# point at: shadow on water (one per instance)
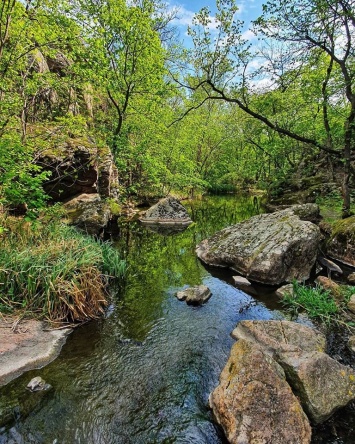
(143, 375)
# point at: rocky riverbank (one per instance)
(27, 345)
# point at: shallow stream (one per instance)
(144, 373)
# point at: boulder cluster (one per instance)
(278, 380)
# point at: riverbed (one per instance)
(144, 373)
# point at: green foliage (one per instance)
(330, 206)
(315, 301)
(55, 271)
(114, 206)
(79, 69)
(20, 179)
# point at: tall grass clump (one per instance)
(315, 301)
(55, 271)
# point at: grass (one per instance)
(54, 271)
(315, 301)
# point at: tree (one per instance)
(309, 31)
(127, 58)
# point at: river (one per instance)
(144, 373)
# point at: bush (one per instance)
(55, 271)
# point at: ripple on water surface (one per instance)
(144, 374)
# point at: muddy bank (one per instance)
(27, 345)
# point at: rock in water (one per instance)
(167, 211)
(269, 248)
(38, 384)
(253, 402)
(194, 295)
(241, 282)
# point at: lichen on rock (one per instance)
(167, 211)
(254, 403)
(269, 248)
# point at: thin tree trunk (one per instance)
(349, 131)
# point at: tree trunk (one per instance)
(349, 131)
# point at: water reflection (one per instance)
(143, 375)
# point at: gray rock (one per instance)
(88, 212)
(351, 278)
(269, 248)
(278, 337)
(308, 212)
(197, 295)
(322, 384)
(240, 281)
(167, 211)
(37, 384)
(253, 402)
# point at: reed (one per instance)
(55, 271)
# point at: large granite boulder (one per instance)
(341, 245)
(269, 248)
(253, 402)
(322, 384)
(167, 211)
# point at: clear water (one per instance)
(143, 375)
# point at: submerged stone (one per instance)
(37, 384)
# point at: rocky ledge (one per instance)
(26, 346)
